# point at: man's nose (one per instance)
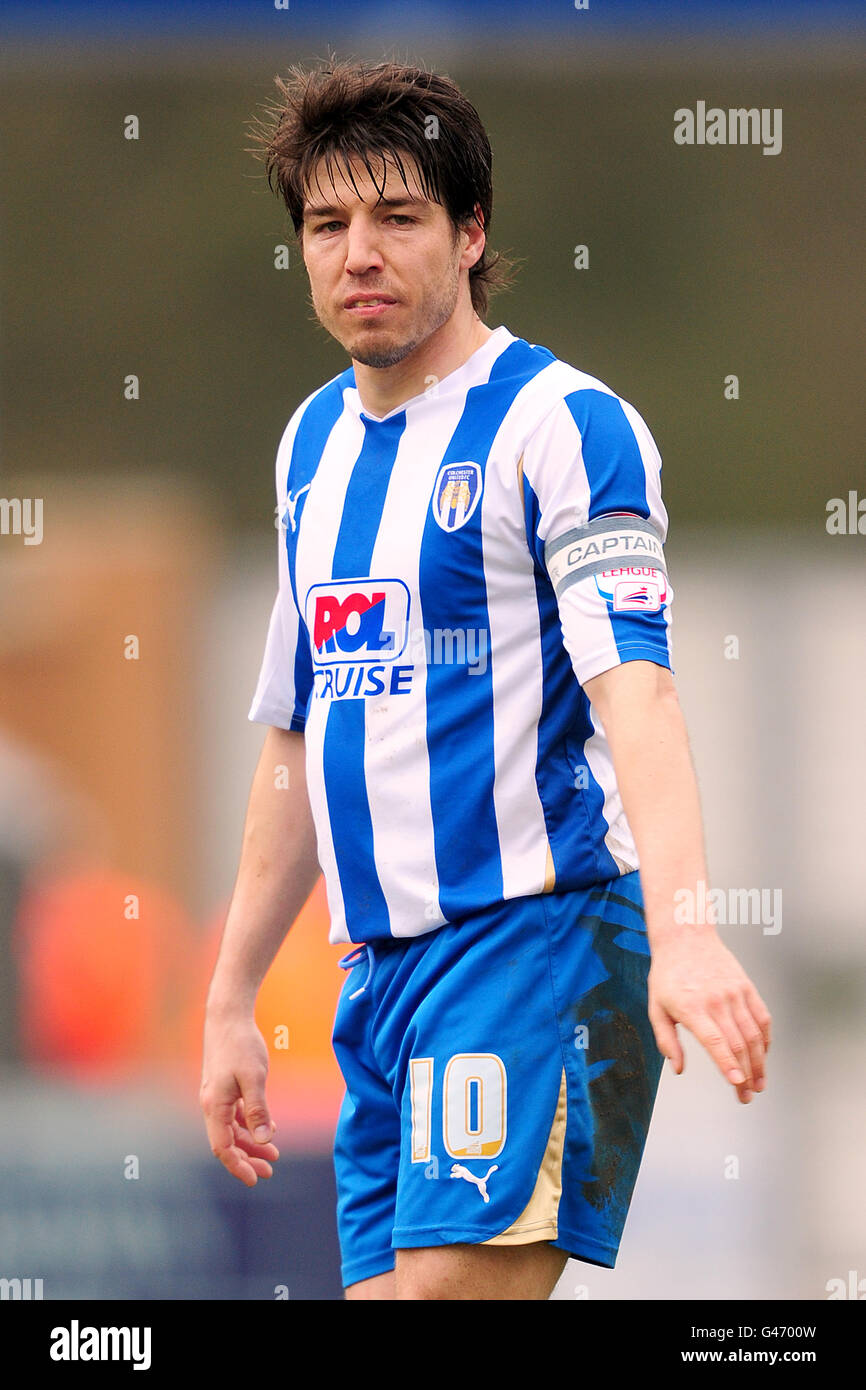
(363, 250)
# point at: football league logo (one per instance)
(456, 494)
(633, 589)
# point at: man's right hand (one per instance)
(277, 871)
(232, 1097)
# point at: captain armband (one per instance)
(622, 551)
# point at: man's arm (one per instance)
(278, 868)
(694, 979)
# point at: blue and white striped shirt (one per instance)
(449, 576)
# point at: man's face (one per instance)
(400, 251)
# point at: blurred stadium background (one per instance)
(124, 782)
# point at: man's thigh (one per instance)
(467, 1272)
(379, 1287)
(479, 1272)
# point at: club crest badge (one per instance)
(456, 494)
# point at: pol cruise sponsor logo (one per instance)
(358, 628)
(357, 620)
(636, 588)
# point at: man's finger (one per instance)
(760, 1013)
(723, 1013)
(667, 1040)
(230, 1156)
(754, 1040)
(261, 1168)
(710, 1035)
(244, 1140)
(253, 1110)
(248, 1166)
(239, 1165)
(227, 1146)
(221, 1125)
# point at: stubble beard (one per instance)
(434, 313)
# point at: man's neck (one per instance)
(383, 389)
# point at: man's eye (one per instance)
(401, 218)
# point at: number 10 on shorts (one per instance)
(473, 1105)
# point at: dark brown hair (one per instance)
(343, 111)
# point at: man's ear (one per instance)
(474, 230)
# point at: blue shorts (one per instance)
(500, 1077)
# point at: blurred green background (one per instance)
(156, 256)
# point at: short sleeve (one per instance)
(596, 525)
(286, 674)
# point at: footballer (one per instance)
(501, 839)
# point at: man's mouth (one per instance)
(368, 306)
